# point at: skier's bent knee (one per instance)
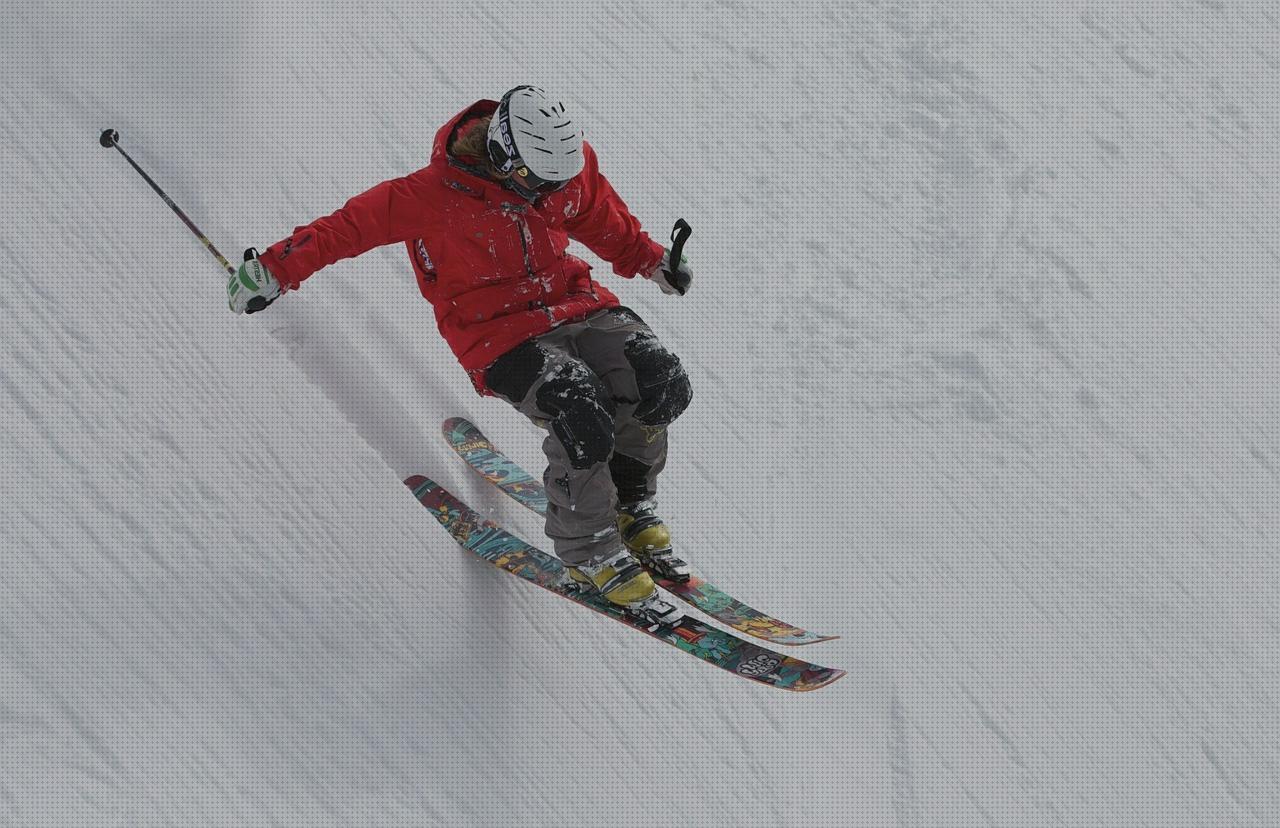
(664, 386)
(582, 415)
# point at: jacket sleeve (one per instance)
(605, 225)
(390, 212)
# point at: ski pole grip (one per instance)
(257, 303)
(680, 234)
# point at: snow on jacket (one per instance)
(492, 264)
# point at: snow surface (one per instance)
(983, 339)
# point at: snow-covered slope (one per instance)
(984, 352)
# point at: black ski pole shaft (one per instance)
(111, 138)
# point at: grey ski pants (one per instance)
(605, 389)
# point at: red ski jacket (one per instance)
(492, 264)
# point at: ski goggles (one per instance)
(525, 179)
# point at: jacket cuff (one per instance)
(654, 260)
(271, 261)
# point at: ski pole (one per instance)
(111, 138)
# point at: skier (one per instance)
(486, 225)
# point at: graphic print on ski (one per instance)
(491, 542)
(471, 444)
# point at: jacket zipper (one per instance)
(523, 228)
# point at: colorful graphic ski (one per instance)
(715, 646)
(471, 444)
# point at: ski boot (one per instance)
(648, 539)
(623, 581)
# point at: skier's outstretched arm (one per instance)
(384, 214)
(606, 226)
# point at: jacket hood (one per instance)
(440, 154)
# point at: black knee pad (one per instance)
(582, 414)
(515, 372)
(664, 386)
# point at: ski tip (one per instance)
(456, 424)
(419, 484)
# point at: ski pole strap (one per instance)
(110, 138)
(680, 234)
(257, 303)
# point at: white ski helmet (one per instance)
(533, 139)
